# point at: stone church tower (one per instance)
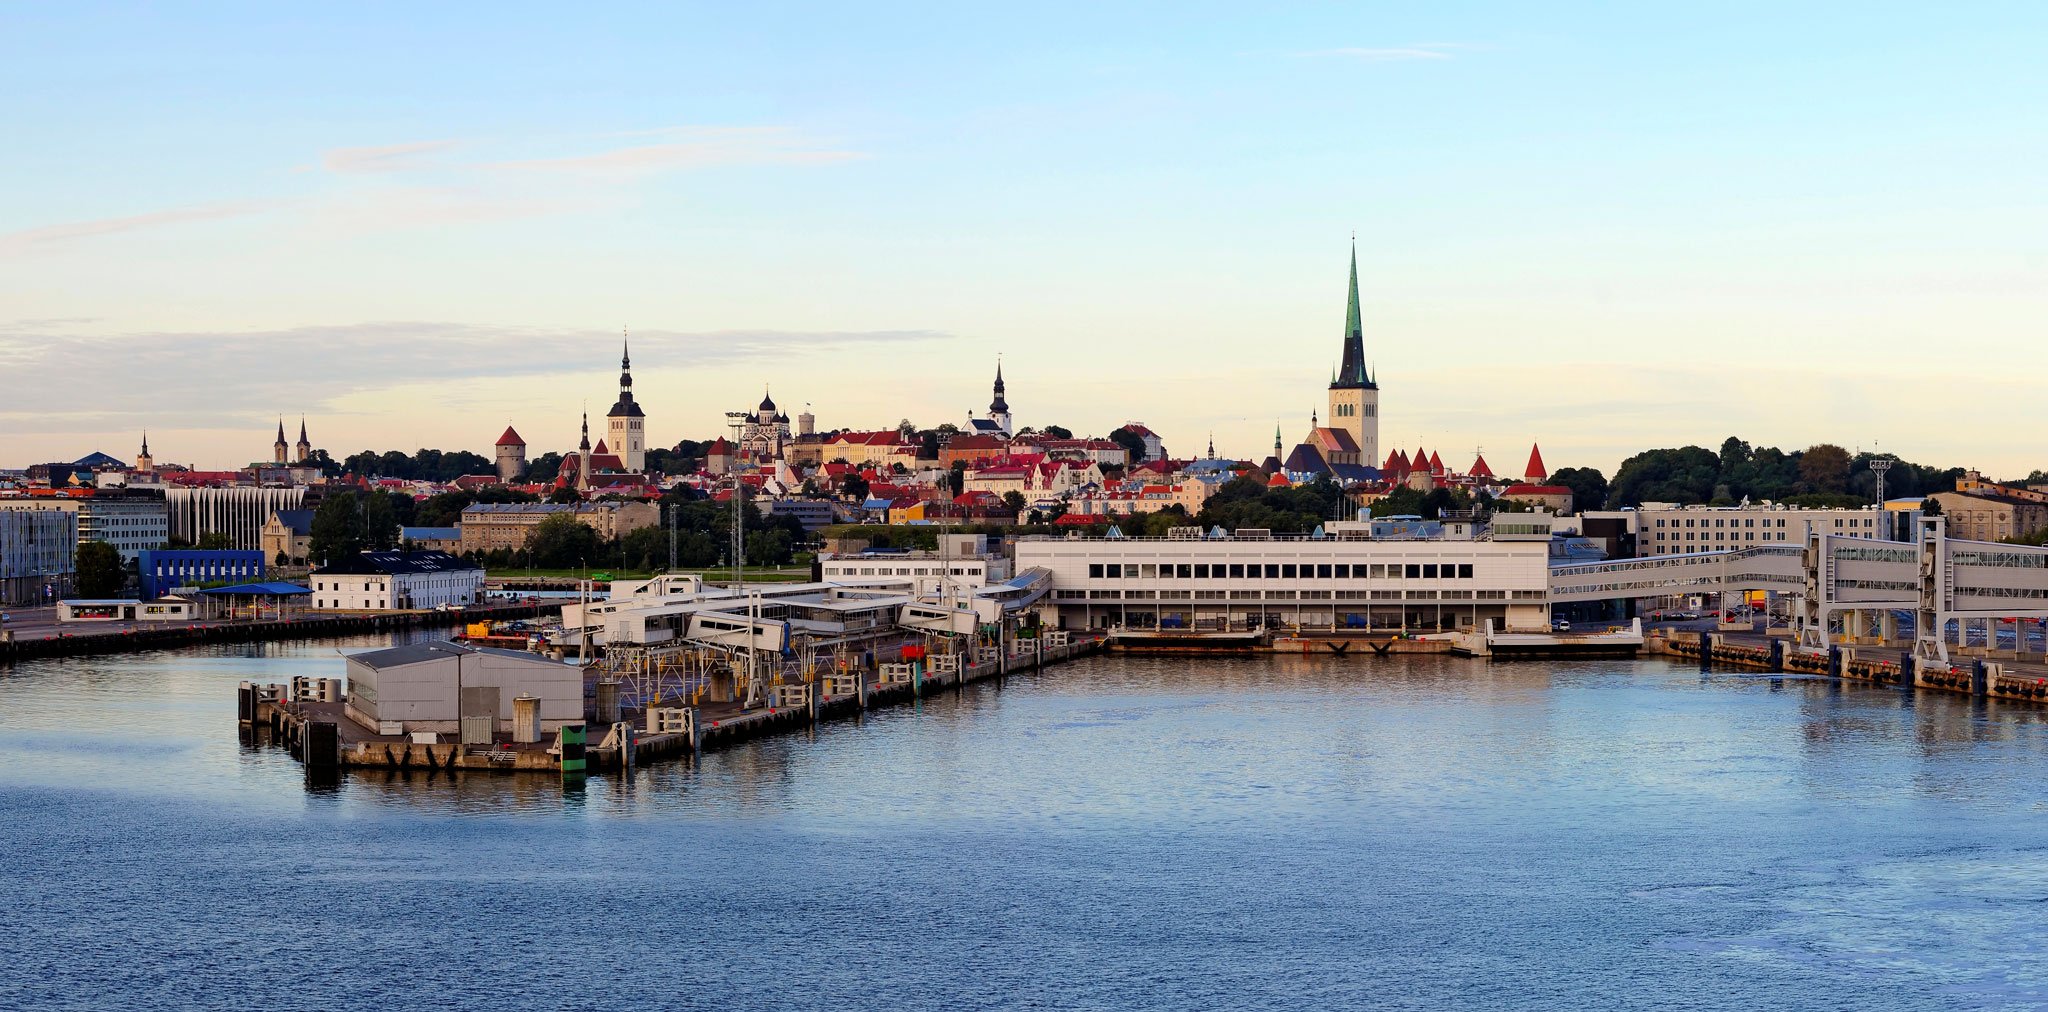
(626, 423)
(1354, 397)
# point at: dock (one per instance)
(312, 725)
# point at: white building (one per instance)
(415, 688)
(1291, 580)
(132, 521)
(397, 581)
(1671, 529)
(962, 564)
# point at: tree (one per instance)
(1931, 507)
(905, 429)
(1825, 468)
(380, 521)
(1130, 441)
(337, 528)
(1013, 499)
(215, 541)
(956, 479)
(1589, 486)
(101, 574)
(565, 494)
(544, 468)
(856, 487)
(563, 542)
(1058, 432)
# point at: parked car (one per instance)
(1560, 625)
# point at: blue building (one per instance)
(162, 570)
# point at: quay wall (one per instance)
(245, 632)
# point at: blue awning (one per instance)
(260, 590)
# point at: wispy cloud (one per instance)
(693, 147)
(383, 158)
(335, 361)
(1397, 54)
(14, 243)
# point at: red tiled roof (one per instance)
(1479, 468)
(510, 438)
(1535, 469)
(1526, 489)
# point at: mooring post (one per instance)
(1777, 656)
(573, 739)
(1706, 652)
(321, 751)
(1834, 660)
(1980, 680)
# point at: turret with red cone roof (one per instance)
(1535, 473)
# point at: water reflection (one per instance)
(1413, 832)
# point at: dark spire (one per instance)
(1212, 445)
(999, 406)
(625, 408)
(585, 445)
(145, 442)
(1351, 372)
(302, 428)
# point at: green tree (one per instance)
(1130, 441)
(336, 532)
(1014, 499)
(1057, 431)
(380, 521)
(101, 574)
(215, 541)
(563, 542)
(957, 478)
(1589, 486)
(856, 487)
(565, 494)
(1931, 507)
(543, 468)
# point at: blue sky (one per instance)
(1602, 227)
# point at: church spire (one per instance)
(584, 447)
(999, 405)
(145, 442)
(1212, 444)
(1351, 371)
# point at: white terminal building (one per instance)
(397, 581)
(1421, 576)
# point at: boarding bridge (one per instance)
(1940, 579)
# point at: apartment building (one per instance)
(1671, 529)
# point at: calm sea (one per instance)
(1114, 834)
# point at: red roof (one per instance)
(1081, 520)
(1535, 471)
(718, 448)
(600, 451)
(1279, 480)
(1526, 489)
(510, 438)
(1479, 468)
(1436, 463)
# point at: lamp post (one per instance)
(1878, 466)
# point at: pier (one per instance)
(294, 628)
(308, 718)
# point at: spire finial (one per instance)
(625, 348)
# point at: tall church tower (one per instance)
(279, 449)
(999, 409)
(627, 423)
(304, 448)
(143, 461)
(1354, 397)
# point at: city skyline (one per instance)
(1598, 233)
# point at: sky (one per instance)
(1601, 227)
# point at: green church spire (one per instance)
(1351, 373)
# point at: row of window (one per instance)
(1751, 522)
(1725, 536)
(1277, 571)
(1290, 595)
(903, 571)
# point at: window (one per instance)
(1429, 571)
(1287, 572)
(1148, 570)
(1273, 571)
(1185, 571)
(1464, 570)
(1322, 572)
(1113, 570)
(1237, 570)
(1201, 571)
(1343, 571)
(1414, 572)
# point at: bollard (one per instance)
(1706, 653)
(1834, 661)
(321, 751)
(608, 702)
(573, 768)
(1906, 678)
(1980, 682)
(1777, 656)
